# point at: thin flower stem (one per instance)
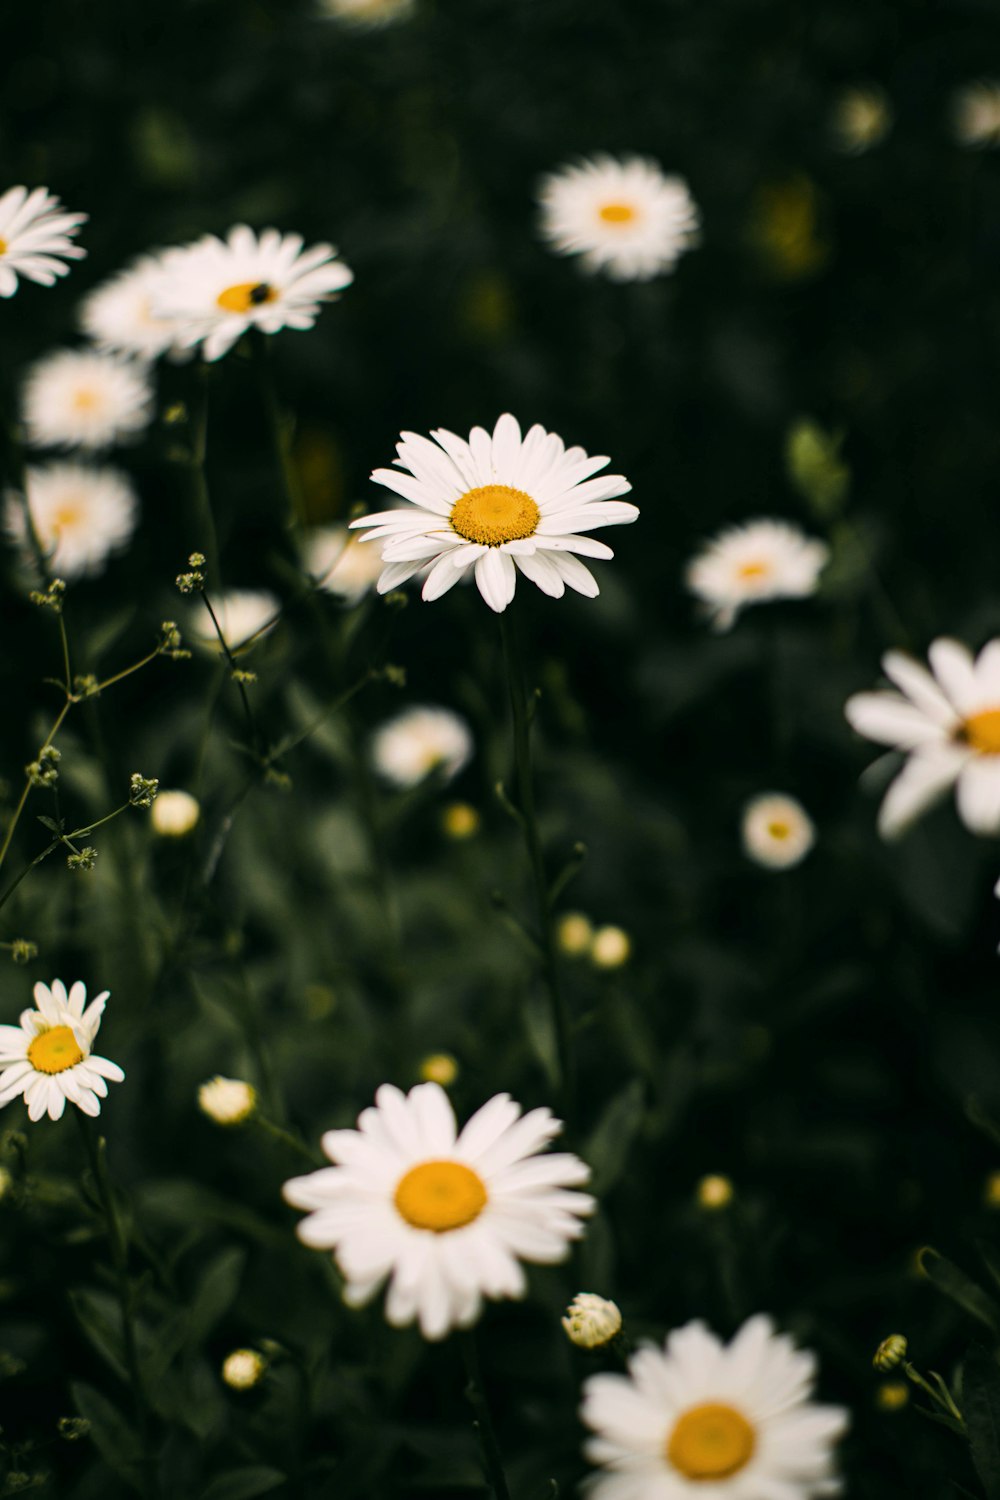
(19, 809)
(482, 1420)
(278, 1133)
(119, 1259)
(255, 739)
(204, 516)
(280, 436)
(529, 818)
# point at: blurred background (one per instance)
(817, 1036)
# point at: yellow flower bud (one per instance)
(611, 948)
(243, 1369)
(892, 1395)
(460, 821)
(227, 1101)
(439, 1067)
(574, 933)
(714, 1192)
(891, 1352)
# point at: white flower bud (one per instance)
(592, 1321)
(227, 1101)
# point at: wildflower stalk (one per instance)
(529, 823)
(482, 1421)
(119, 1259)
(281, 434)
(198, 477)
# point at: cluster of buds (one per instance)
(239, 674)
(45, 770)
(169, 643)
(50, 598)
(86, 686)
(193, 582)
(22, 952)
(142, 791)
(82, 859)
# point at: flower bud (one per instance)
(574, 934)
(174, 814)
(243, 1369)
(611, 948)
(227, 1101)
(439, 1067)
(891, 1352)
(714, 1191)
(592, 1321)
(460, 821)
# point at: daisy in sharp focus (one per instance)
(445, 1217)
(419, 741)
(215, 290)
(49, 1058)
(755, 563)
(723, 1422)
(79, 398)
(118, 315)
(625, 217)
(499, 505)
(79, 515)
(36, 238)
(948, 725)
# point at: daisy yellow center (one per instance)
(3, 246)
(778, 830)
(54, 1050)
(85, 400)
(494, 514)
(982, 731)
(246, 295)
(616, 213)
(440, 1195)
(67, 515)
(752, 570)
(710, 1441)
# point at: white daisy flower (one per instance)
(341, 564)
(118, 316)
(214, 290)
(753, 564)
(368, 13)
(777, 831)
(976, 114)
(447, 1216)
(625, 217)
(35, 238)
(80, 515)
(79, 398)
(48, 1058)
(948, 725)
(421, 740)
(501, 504)
(244, 615)
(703, 1418)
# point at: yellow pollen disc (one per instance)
(493, 514)
(66, 516)
(54, 1051)
(778, 830)
(3, 246)
(710, 1442)
(617, 213)
(982, 731)
(440, 1195)
(84, 400)
(245, 295)
(752, 570)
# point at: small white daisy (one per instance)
(777, 831)
(725, 1422)
(49, 1058)
(447, 1216)
(368, 13)
(976, 114)
(214, 290)
(419, 741)
(35, 238)
(752, 564)
(341, 564)
(500, 504)
(118, 316)
(948, 725)
(79, 398)
(624, 217)
(80, 515)
(244, 615)
(175, 814)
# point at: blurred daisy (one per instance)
(447, 1217)
(777, 831)
(36, 237)
(368, 13)
(861, 118)
(214, 290)
(243, 616)
(499, 504)
(948, 725)
(718, 1420)
(79, 515)
(175, 814)
(227, 1101)
(118, 316)
(48, 1058)
(420, 741)
(78, 398)
(752, 564)
(625, 217)
(976, 114)
(341, 564)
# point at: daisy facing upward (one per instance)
(754, 563)
(49, 1056)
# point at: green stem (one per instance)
(119, 1259)
(19, 809)
(529, 819)
(204, 516)
(482, 1420)
(278, 1133)
(281, 434)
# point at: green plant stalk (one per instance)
(482, 1421)
(119, 1260)
(280, 430)
(529, 819)
(204, 516)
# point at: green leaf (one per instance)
(981, 1403)
(954, 1282)
(111, 1433)
(100, 1318)
(609, 1143)
(216, 1292)
(243, 1484)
